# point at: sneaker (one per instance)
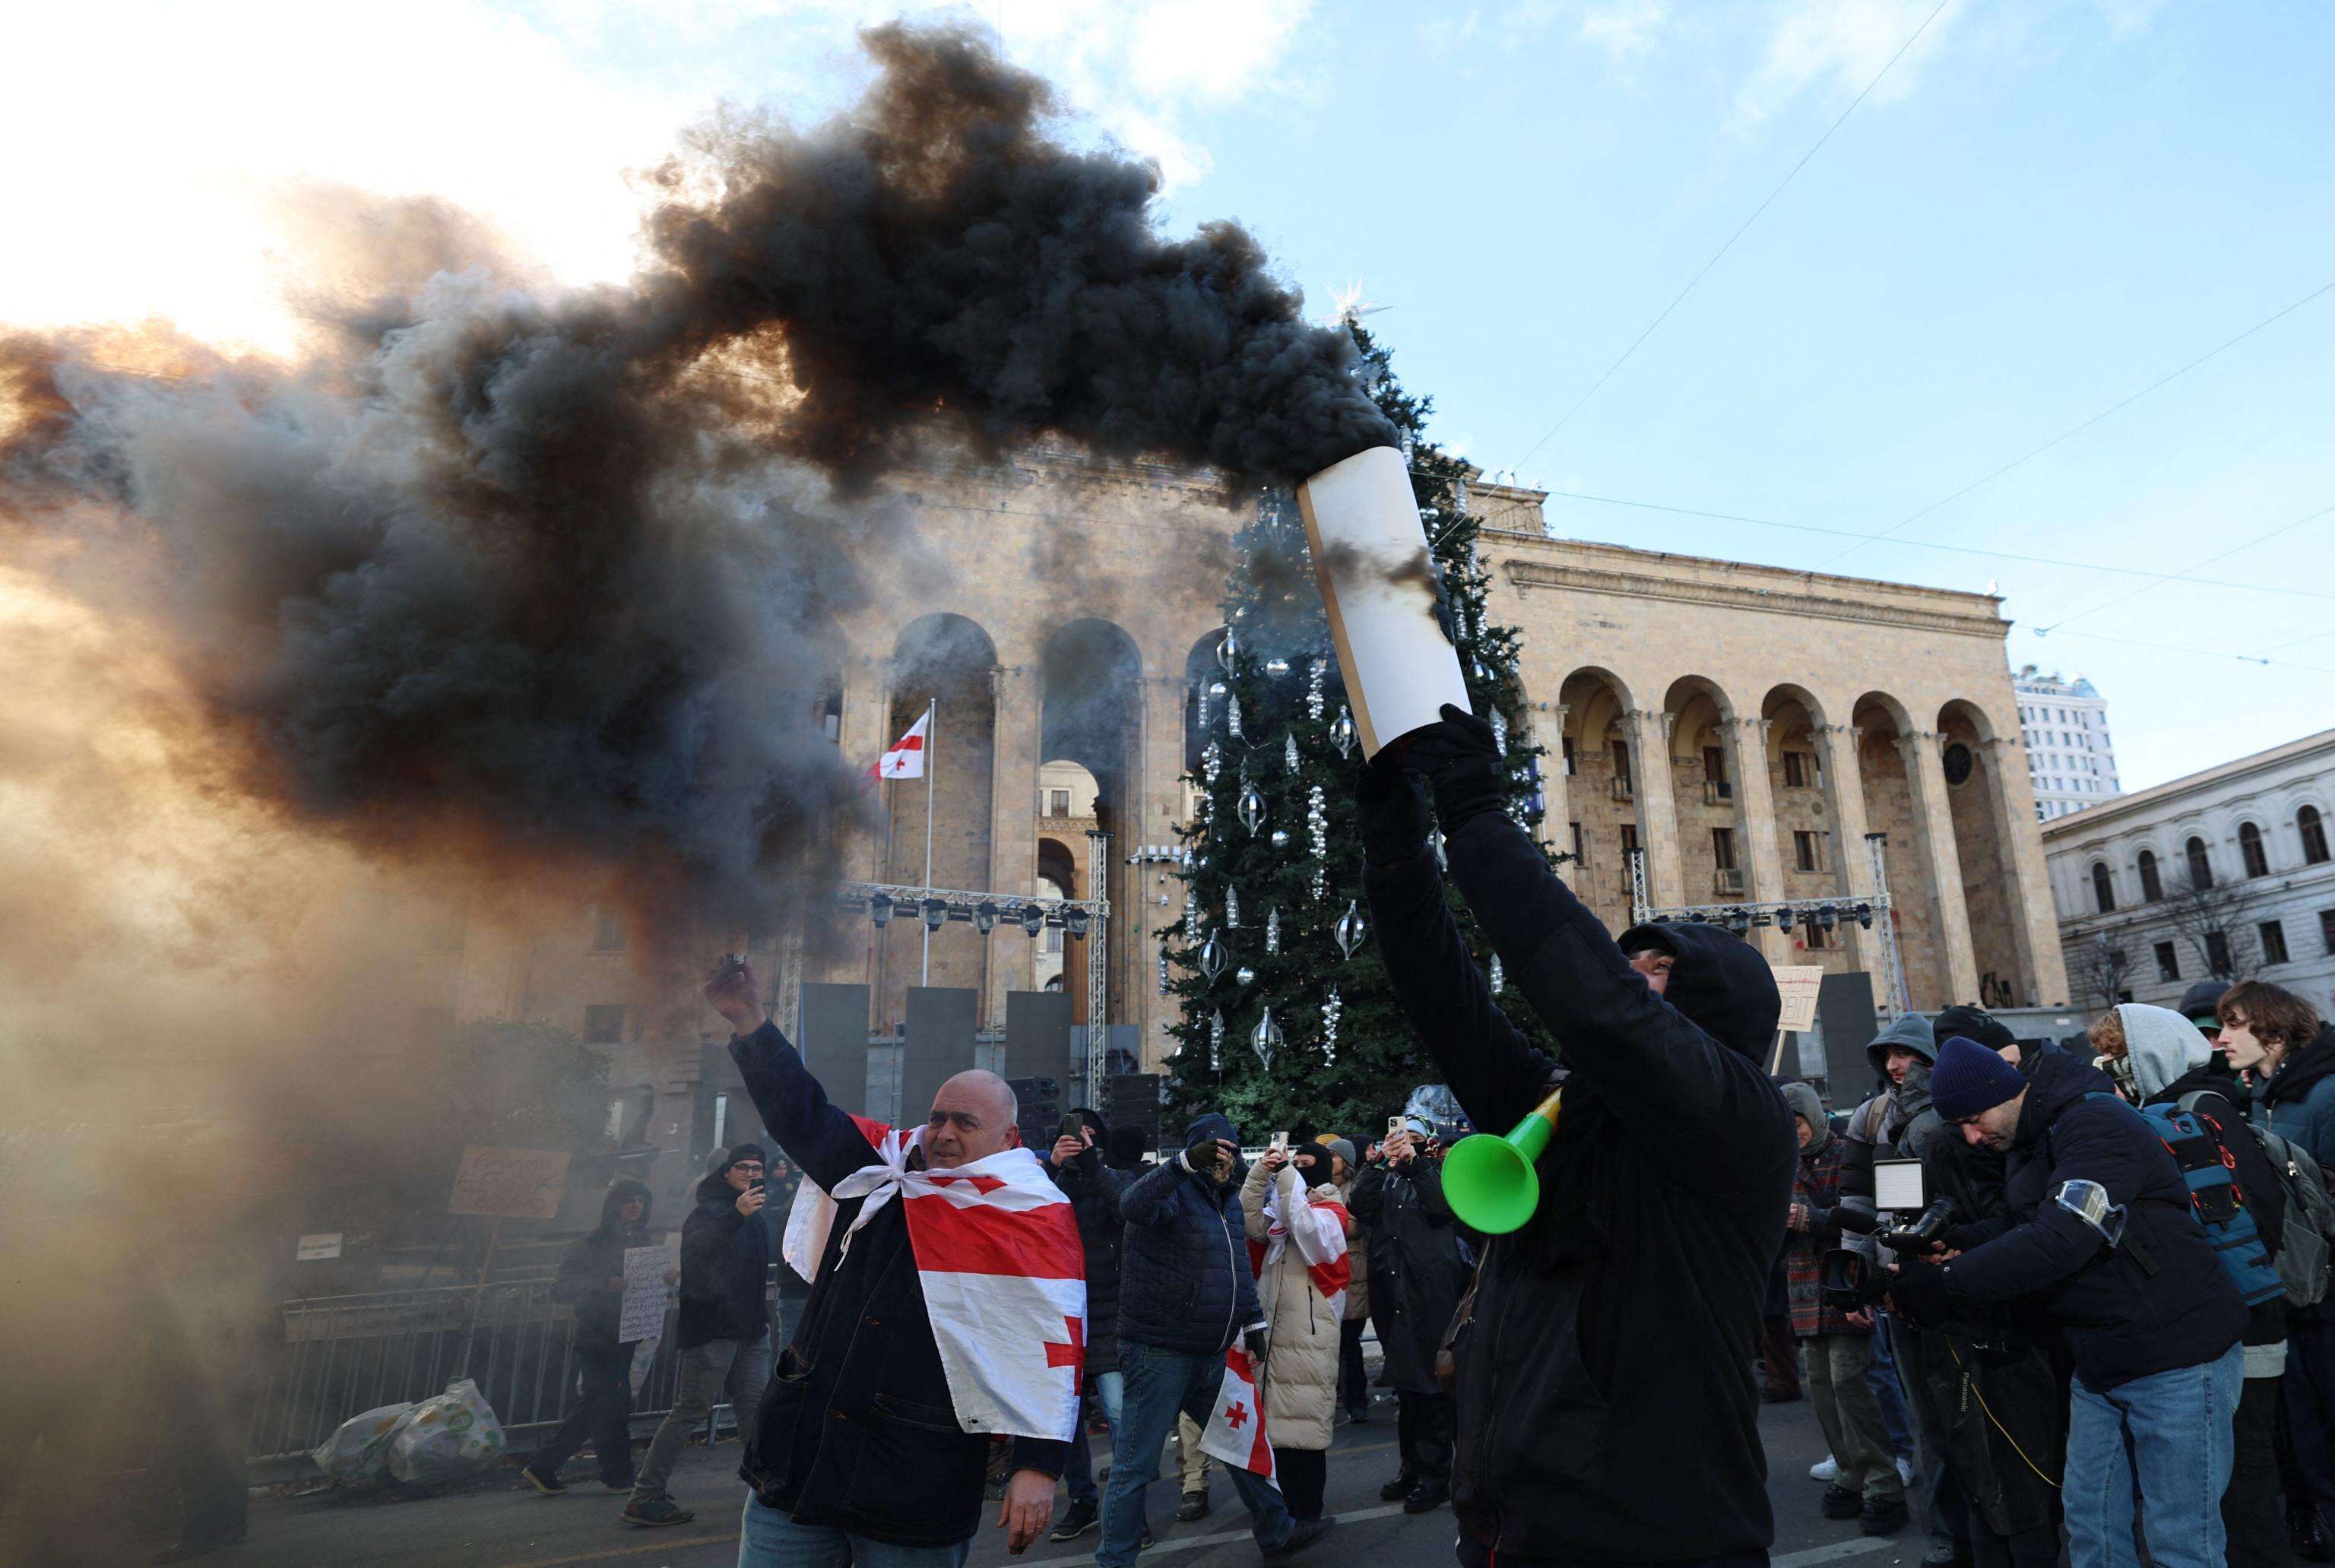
(1145, 1543)
(1080, 1517)
(1824, 1469)
(1428, 1497)
(1401, 1487)
(655, 1511)
(1843, 1502)
(1945, 1554)
(1882, 1515)
(1905, 1472)
(548, 1484)
(1302, 1534)
(1195, 1505)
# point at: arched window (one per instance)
(2314, 836)
(2103, 893)
(2250, 850)
(2201, 865)
(2152, 888)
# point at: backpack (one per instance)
(2217, 1201)
(2303, 1255)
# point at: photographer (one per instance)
(2100, 1232)
(1076, 1164)
(1607, 1410)
(1419, 1272)
(1294, 1213)
(724, 1334)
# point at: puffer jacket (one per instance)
(1183, 1280)
(592, 1260)
(2298, 1104)
(1093, 1189)
(1301, 1358)
(2124, 1318)
(858, 1429)
(1620, 1321)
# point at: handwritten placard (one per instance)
(1797, 983)
(512, 1184)
(318, 1246)
(643, 1317)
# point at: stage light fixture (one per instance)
(1783, 920)
(1828, 917)
(935, 914)
(984, 916)
(1864, 916)
(1033, 920)
(879, 909)
(1074, 920)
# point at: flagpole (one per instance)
(931, 778)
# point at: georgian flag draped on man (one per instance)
(1003, 1273)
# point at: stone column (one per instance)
(1934, 820)
(1556, 820)
(1755, 817)
(867, 696)
(2038, 921)
(1649, 739)
(1845, 788)
(1013, 826)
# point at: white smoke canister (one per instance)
(1369, 556)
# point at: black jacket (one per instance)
(1619, 1324)
(1185, 1284)
(725, 1265)
(2123, 1319)
(594, 1259)
(1093, 1189)
(858, 1431)
(1418, 1270)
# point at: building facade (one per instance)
(1748, 729)
(2070, 760)
(2225, 874)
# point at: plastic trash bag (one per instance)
(1438, 1108)
(356, 1455)
(453, 1434)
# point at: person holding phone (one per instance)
(1076, 1164)
(1303, 1316)
(1419, 1263)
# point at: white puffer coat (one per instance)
(1301, 1366)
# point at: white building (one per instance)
(2225, 874)
(2070, 758)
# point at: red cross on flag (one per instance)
(1235, 1428)
(906, 760)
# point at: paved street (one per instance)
(505, 1525)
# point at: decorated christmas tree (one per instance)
(1287, 1019)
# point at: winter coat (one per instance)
(1358, 1250)
(1301, 1358)
(1184, 1282)
(726, 1266)
(858, 1429)
(2123, 1319)
(1619, 1323)
(1817, 1187)
(2298, 1104)
(1419, 1264)
(2169, 1062)
(594, 1259)
(1093, 1189)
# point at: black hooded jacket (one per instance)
(2125, 1317)
(1093, 1188)
(1620, 1321)
(594, 1259)
(1185, 1284)
(725, 1261)
(1418, 1266)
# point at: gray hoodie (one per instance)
(2161, 1046)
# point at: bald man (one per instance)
(857, 1455)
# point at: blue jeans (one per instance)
(2178, 1427)
(1158, 1384)
(1889, 1393)
(768, 1538)
(1078, 1465)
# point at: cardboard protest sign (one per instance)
(512, 1184)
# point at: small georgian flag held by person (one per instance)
(1235, 1430)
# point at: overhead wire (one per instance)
(1740, 229)
(2076, 430)
(2173, 577)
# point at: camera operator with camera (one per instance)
(1608, 1409)
(2098, 1231)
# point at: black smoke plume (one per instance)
(556, 577)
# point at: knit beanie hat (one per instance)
(1968, 1079)
(752, 1151)
(1975, 1023)
(1343, 1148)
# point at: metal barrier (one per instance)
(344, 1355)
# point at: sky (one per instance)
(2038, 211)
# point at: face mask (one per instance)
(2119, 1071)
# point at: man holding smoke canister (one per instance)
(1607, 1410)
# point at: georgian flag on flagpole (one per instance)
(906, 760)
(1235, 1428)
(1003, 1272)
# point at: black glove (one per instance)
(1462, 762)
(1919, 1292)
(1254, 1340)
(1390, 809)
